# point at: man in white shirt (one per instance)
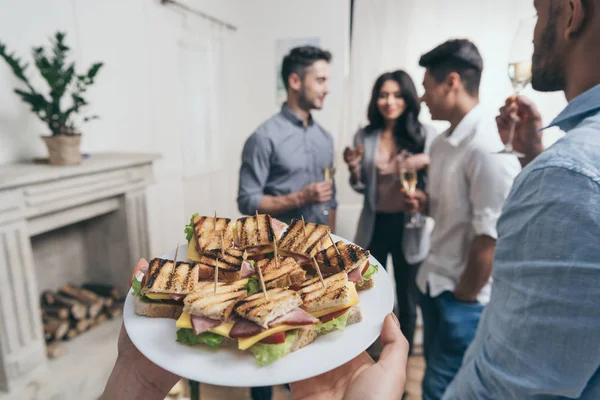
(468, 184)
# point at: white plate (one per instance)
(228, 366)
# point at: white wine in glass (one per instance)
(519, 69)
(409, 179)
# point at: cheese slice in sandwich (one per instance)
(254, 234)
(302, 242)
(350, 258)
(231, 265)
(209, 234)
(282, 274)
(271, 328)
(336, 304)
(206, 314)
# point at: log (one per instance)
(95, 308)
(55, 350)
(84, 296)
(77, 310)
(56, 328)
(100, 319)
(108, 302)
(55, 312)
(115, 310)
(104, 290)
(71, 334)
(47, 298)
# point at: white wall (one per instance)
(136, 91)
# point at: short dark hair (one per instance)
(299, 59)
(456, 55)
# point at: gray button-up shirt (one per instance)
(282, 157)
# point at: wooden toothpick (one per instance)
(222, 245)
(256, 214)
(334, 245)
(245, 256)
(275, 251)
(262, 282)
(175, 258)
(318, 271)
(216, 274)
(303, 226)
(215, 220)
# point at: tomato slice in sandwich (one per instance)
(365, 268)
(276, 338)
(333, 315)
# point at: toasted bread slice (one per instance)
(163, 277)
(230, 265)
(213, 305)
(262, 311)
(207, 287)
(208, 232)
(315, 297)
(169, 309)
(255, 233)
(283, 274)
(349, 258)
(298, 241)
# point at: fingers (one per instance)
(141, 264)
(394, 355)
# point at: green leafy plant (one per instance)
(61, 78)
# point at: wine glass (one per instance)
(327, 176)
(409, 179)
(519, 70)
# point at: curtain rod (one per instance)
(200, 13)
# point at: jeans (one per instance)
(261, 393)
(449, 327)
(387, 238)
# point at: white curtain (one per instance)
(393, 34)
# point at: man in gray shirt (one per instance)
(283, 161)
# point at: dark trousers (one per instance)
(387, 238)
(449, 327)
(261, 393)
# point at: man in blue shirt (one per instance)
(539, 336)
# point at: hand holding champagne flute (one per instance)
(409, 179)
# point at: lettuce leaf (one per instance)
(136, 286)
(253, 286)
(187, 336)
(373, 268)
(189, 228)
(338, 323)
(267, 353)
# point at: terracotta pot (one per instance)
(63, 149)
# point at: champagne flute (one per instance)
(327, 176)
(409, 179)
(519, 70)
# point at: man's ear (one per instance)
(295, 82)
(576, 18)
(452, 81)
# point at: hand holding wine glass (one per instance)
(527, 134)
(409, 179)
(519, 71)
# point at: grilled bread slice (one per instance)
(298, 241)
(349, 258)
(164, 277)
(230, 265)
(255, 234)
(315, 297)
(203, 288)
(283, 274)
(207, 233)
(218, 306)
(262, 311)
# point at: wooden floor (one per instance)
(416, 368)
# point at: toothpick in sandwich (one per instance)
(275, 252)
(318, 271)
(262, 282)
(334, 245)
(216, 274)
(303, 226)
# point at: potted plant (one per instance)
(64, 142)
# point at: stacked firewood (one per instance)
(71, 310)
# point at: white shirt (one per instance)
(467, 187)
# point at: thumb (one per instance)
(140, 264)
(394, 355)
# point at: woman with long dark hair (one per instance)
(394, 130)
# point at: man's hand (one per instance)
(362, 378)
(415, 202)
(528, 137)
(318, 192)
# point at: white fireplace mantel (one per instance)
(36, 199)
